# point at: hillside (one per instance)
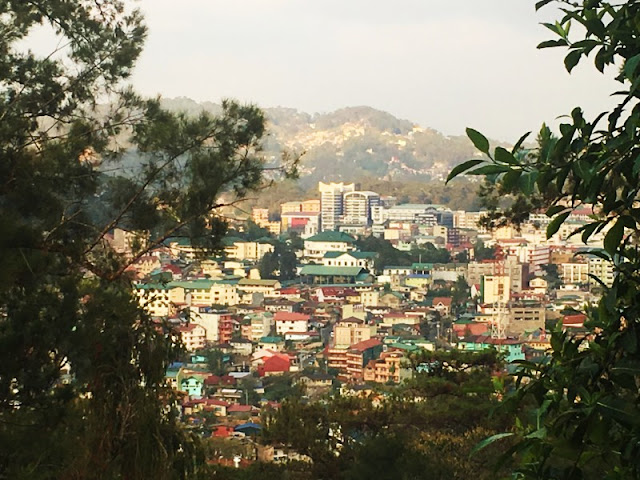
(354, 143)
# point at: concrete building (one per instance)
(332, 203)
(357, 207)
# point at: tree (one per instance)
(396, 435)
(82, 366)
(586, 398)
(280, 264)
(551, 275)
(429, 253)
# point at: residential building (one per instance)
(351, 330)
(316, 247)
(192, 336)
(287, 322)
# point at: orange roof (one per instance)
(365, 344)
(290, 316)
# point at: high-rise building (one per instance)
(332, 203)
(357, 207)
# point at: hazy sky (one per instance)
(445, 64)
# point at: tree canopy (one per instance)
(82, 391)
(586, 399)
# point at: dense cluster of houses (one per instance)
(342, 324)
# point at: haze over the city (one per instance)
(441, 64)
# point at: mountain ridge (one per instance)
(353, 142)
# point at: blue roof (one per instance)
(248, 426)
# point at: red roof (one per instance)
(290, 316)
(289, 291)
(365, 345)
(171, 268)
(276, 363)
(446, 301)
(212, 380)
(576, 320)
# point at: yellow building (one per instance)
(351, 330)
(495, 288)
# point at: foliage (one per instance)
(216, 362)
(585, 401)
(444, 408)
(82, 390)
(280, 264)
(387, 254)
(429, 253)
(483, 253)
(279, 387)
(551, 275)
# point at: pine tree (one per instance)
(82, 391)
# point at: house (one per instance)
(391, 299)
(512, 349)
(324, 275)
(388, 368)
(273, 343)
(349, 259)
(442, 305)
(316, 384)
(275, 365)
(192, 336)
(317, 246)
(192, 385)
(241, 410)
(267, 287)
(217, 407)
(359, 355)
(241, 346)
(291, 322)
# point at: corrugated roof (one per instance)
(324, 270)
(331, 236)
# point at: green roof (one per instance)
(262, 282)
(323, 270)
(422, 266)
(331, 236)
(271, 340)
(358, 255)
(404, 346)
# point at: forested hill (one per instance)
(354, 143)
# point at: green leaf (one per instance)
(463, 167)
(572, 59)
(519, 143)
(630, 66)
(553, 43)
(511, 178)
(489, 170)
(613, 238)
(555, 224)
(528, 182)
(479, 140)
(588, 231)
(488, 441)
(542, 3)
(504, 156)
(555, 209)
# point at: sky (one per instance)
(442, 64)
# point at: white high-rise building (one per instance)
(357, 207)
(332, 203)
